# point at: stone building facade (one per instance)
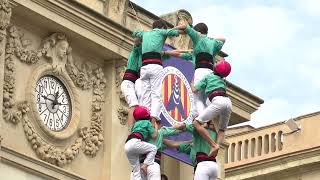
(80, 46)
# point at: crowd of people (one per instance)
(142, 87)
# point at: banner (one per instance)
(177, 99)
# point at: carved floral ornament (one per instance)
(56, 52)
(5, 14)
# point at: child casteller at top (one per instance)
(151, 70)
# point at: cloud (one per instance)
(252, 31)
(310, 7)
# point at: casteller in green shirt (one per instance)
(144, 127)
(162, 133)
(211, 82)
(199, 144)
(202, 43)
(153, 41)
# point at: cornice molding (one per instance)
(87, 19)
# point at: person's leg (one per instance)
(224, 118)
(156, 91)
(128, 90)
(137, 87)
(199, 100)
(145, 87)
(150, 150)
(133, 157)
(201, 172)
(153, 172)
(213, 170)
(207, 114)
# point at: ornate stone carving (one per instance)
(123, 109)
(45, 151)
(17, 45)
(93, 135)
(176, 18)
(85, 78)
(81, 76)
(56, 50)
(5, 14)
(123, 114)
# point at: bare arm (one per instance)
(221, 39)
(155, 133)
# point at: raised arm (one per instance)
(200, 85)
(194, 35)
(223, 40)
(138, 34)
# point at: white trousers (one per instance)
(219, 105)
(199, 98)
(138, 88)
(128, 90)
(206, 170)
(153, 173)
(133, 149)
(151, 86)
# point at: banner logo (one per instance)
(177, 97)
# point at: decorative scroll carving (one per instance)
(5, 14)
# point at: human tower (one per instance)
(142, 87)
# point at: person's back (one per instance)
(204, 48)
(152, 44)
(153, 41)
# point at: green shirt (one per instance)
(200, 144)
(153, 41)
(134, 59)
(201, 43)
(188, 149)
(211, 82)
(188, 56)
(144, 127)
(162, 133)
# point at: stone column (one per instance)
(5, 15)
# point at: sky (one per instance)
(273, 46)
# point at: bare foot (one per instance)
(143, 168)
(214, 151)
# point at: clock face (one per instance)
(53, 103)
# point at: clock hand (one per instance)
(55, 102)
(45, 97)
